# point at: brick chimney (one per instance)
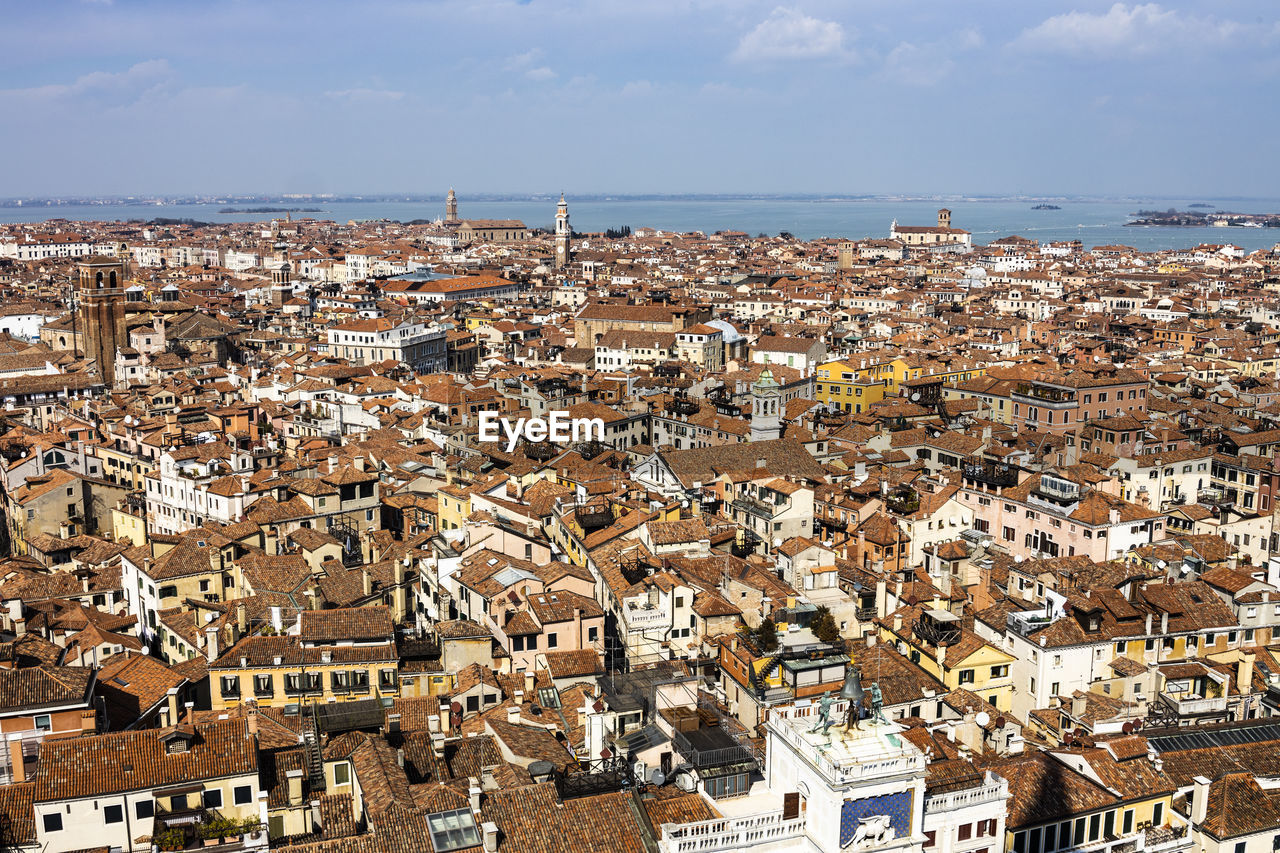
(17, 761)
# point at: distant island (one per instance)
(1046, 207)
(1200, 204)
(271, 210)
(1196, 219)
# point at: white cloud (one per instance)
(788, 33)
(637, 88)
(1124, 29)
(523, 60)
(364, 95)
(133, 80)
(930, 63)
(540, 74)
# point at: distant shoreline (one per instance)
(271, 210)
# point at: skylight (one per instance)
(452, 830)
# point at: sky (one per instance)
(647, 96)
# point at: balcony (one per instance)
(937, 627)
(1026, 622)
(711, 747)
(1046, 395)
(730, 833)
(594, 515)
(993, 789)
(903, 502)
(682, 404)
(757, 507)
(1193, 705)
(992, 475)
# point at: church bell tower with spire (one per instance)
(563, 233)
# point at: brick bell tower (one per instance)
(102, 311)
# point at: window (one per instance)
(553, 640)
(44, 722)
(53, 822)
(593, 633)
(1000, 671)
(966, 676)
(341, 773)
(144, 809)
(230, 685)
(213, 798)
(452, 830)
(1157, 815)
(965, 832)
(1127, 822)
(113, 814)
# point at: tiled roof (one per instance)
(131, 761)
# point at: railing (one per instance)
(864, 614)
(992, 475)
(1195, 706)
(1042, 394)
(711, 757)
(789, 724)
(756, 507)
(645, 617)
(988, 792)
(732, 833)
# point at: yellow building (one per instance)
(936, 642)
(453, 505)
(337, 656)
(838, 386)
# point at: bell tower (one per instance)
(451, 207)
(766, 408)
(563, 233)
(944, 218)
(102, 311)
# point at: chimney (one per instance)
(1149, 618)
(188, 710)
(529, 684)
(172, 705)
(942, 655)
(1164, 623)
(1078, 706)
(211, 642)
(242, 619)
(437, 744)
(88, 722)
(513, 714)
(367, 580)
(16, 759)
(445, 714)
(19, 627)
(1114, 517)
(490, 830)
(358, 462)
(295, 787)
(473, 793)
(251, 719)
(1199, 801)
(897, 623)
(1244, 673)
(277, 622)
(399, 593)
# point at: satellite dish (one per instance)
(657, 778)
(982, 718)
(915, 397)
(1127, 728)
(1067, 738)
(777, 542)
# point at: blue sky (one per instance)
(875, 96)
